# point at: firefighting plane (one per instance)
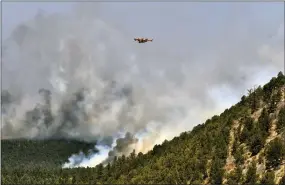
(143, 40)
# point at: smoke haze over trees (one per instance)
(240, 146)
(80, 76)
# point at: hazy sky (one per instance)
(205, 52)
(17, 12)
(174, 24)
(184, 29)
(161, 19)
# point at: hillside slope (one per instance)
(244, 145)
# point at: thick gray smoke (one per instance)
(123, 146)
(78, 76)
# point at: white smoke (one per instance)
(102, 84)
(80, 160)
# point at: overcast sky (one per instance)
(154, 19)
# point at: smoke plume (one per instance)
(79, 76)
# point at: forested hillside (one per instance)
(26, 154)
(243, 145)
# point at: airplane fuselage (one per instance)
(142, 40)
